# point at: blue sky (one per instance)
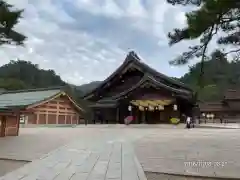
(86, 40)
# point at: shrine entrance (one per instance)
(154, 111)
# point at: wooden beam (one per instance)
(18, 122)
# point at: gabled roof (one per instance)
(133, 59)
(30, 97)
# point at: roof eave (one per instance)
(148, 79)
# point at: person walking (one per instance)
(188, 122)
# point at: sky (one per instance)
(86, 40)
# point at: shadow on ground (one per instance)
(8, 165)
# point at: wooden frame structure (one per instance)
(152, 96)
(9, 123)
(38, 106)
(227, 109)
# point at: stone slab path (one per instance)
(97, 151)
(100, 157)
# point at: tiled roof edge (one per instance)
(35, 89)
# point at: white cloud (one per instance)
(136, 9)
(110, 8)
(79, 55)
(181, 18)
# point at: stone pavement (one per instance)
(219, 125)
(33, 143)
(100, 157)
(194, 152)
(199, 152)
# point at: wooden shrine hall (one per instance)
(140, 91)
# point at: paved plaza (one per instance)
(197, 152)
(106, 152)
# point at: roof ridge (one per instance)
(34, 89)
(126, 61)
(161, 74)
(134, 55)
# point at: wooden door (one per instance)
(2, 126)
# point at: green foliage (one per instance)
(213, 17)
(27, 75)
(85, 88)
(219, 75)
(12, 84)
(21, 74)
(9, 17)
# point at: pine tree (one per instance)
(9, 17)
(212, 17)
(221, 17)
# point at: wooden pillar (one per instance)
(18, 122)
(140, 116)
(117, 115)
(159, 116)
(144, 117)
(94, 116)
(3, 126)
(47, 117)
(70, 118)
(136, 116)
(65, 118)
(37, 118)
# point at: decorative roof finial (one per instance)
(131, 51)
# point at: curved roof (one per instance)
(133, 59)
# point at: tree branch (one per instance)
(200, 80)
(232, 51)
